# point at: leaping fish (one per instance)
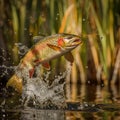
(45, 50)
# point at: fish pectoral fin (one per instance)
(56, 48)
(69, 57)
(46, 65)
(31, 72)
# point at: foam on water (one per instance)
(39, 92)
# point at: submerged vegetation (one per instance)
(97, 22)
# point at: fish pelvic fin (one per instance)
(46, 65)
(16, 83)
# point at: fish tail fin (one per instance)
(16, 83)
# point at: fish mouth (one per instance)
(74, 43)
(77, 42)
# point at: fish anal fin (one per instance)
(54, 47)
(37, 61)
(46, 65)
(69, 57)
(31, 72)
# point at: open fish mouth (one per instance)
(74, 43)
(77, 42)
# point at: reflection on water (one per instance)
(90, 112)
(32, 114)
(92, 93)
(42, 115)
(84, 102)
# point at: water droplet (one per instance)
(83, 19)
(11, 101)
(3, 110)
(93, 105)
(102, 85)
(88, 82)
(81, 107)
(30, 34)
(22, 48)
(86, 67)
(101, 37)
(25, 29)
(85, 104)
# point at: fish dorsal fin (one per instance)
(54, 47)
(68, 56)
(37, 38)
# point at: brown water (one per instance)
(84, 102)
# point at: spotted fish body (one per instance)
(44, 51)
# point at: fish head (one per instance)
(69, 41)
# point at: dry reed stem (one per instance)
(64, 20)
(116, 68)
(80, 67)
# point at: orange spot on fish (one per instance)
(61, 42)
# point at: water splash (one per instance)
(5, 59)
(40, 93)
(22, 49)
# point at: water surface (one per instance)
(82, 102)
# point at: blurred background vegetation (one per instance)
(97, 22)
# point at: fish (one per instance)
(45, 50)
